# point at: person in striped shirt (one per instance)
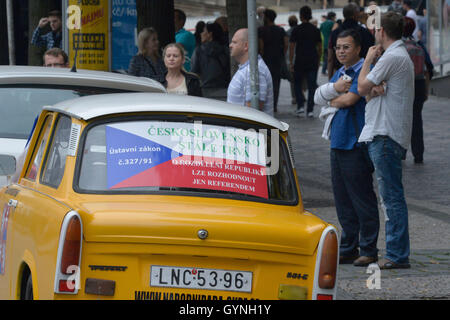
(239, 88)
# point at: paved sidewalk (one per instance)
(427, 189)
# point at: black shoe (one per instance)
(418, 161)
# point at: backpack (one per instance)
(417, 55)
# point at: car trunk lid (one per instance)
(202, 222)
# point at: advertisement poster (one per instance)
(186, 155)
(92, 40)
(123, 33)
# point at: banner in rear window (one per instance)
(186, 155)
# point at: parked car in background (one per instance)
(156, 196)
(25, 90)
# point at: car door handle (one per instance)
(13, 203)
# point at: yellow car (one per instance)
(156, 196)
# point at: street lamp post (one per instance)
(10, 24)
(253, 53)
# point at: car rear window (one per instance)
(23, 103)
(157, 156)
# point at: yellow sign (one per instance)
(88, 23)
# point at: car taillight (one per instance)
(324, 297)
(66, 286)
(72, 243)
(67, 275)
(328, 261)
(325, 271)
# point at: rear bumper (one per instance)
(274, 275)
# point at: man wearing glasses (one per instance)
(56, 58)
(351, 13)
(351, 168)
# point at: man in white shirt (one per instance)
(239, 91)
(387, 129)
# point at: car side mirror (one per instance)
(7, 165)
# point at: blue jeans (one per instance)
(387, 155)
(356, 202)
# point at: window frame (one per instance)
(37, 146)
(49, 144)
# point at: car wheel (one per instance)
(28, 289)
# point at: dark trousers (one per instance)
(417, 145)
(311, 81)
(276, 79)
(275, 72)
(325, 61)
(355, 201)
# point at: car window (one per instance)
(33, 169)
(23, 104)
(56, 156)
(173, 157)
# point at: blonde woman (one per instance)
(177, 79)
(148, 62)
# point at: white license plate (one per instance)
(199, 278)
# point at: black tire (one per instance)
(28, 292)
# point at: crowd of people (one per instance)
(371, 106)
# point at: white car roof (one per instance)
(90, 107)
(10, 75)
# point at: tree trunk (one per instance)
(237, 19)
(159, 15)
(37, 10)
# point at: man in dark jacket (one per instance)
(350, 13)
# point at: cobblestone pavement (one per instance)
(427, 189)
